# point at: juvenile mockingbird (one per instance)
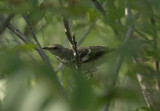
(88, 55)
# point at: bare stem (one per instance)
(5, 23)
(40, 51)
(45, 58)
(16, 31)
(67, 30)
(99, 7)
(72, 42)
(156, 62)
(86, 33)
(91, 26)
(119, 62)
(76, 54)
(147, 90)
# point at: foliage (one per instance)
(127, 80)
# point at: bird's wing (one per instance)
(92, 52)
(83, 53)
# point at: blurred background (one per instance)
(127, 80)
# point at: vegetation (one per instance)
(32, 79)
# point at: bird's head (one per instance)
(55, 49)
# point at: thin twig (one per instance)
(156, 62)
(72, 42)
(86, 33)
(118, 66)
(16, 31)
(147, 90)
(102, 11)
(19, 43)
(99, 7)
(91, 26)
(40, 51)
(67, 30)
(119, 63)
(79, 42)
(5, 23)
(45, 58)
(43, 55)
(76, 54)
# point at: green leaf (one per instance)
(143, 108)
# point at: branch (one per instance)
(5, 23)
(16, 31)
(40, 51)
(91, 26)
(119, 63)
(45, 58)
(39, 48)
(147, 90)
(102, 11)
(19, 43)
(72, 42)
(67, 30)
(156, 62)
(71, 39)
(86, 33)
(118, 66)
(99, 7)
(76, 54)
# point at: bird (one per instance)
(87, 55)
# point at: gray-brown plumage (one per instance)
(90, 57)
(86, 54)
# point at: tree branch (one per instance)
(156, 62)
(16, 31)
(91, 26)
(119, 63)
(67, 30)
(147, 90)
(76, 54)
(99, 7)
(5, 23)
(72, 42)
(86, 33)
(40, 51)
(117, 67)
(45, 58)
